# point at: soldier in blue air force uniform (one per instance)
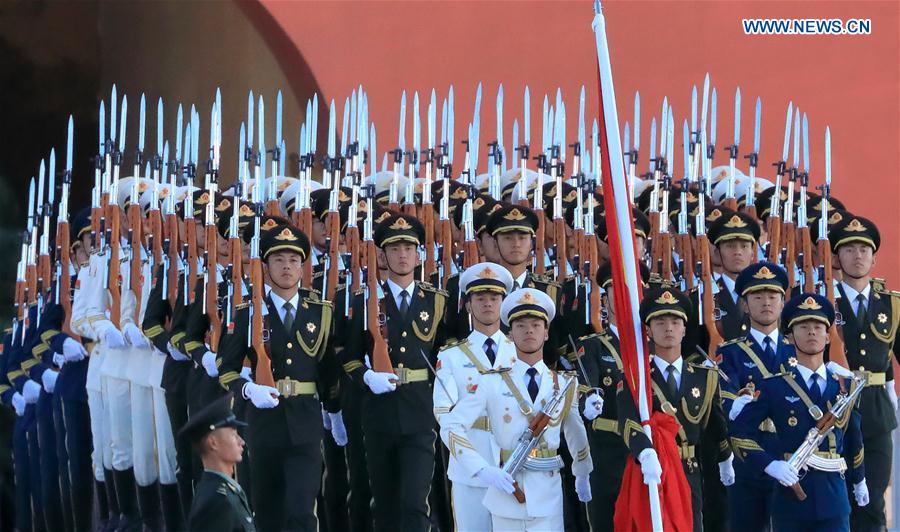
(795, 399)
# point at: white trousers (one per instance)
(143, 434)
(532, 524)
(165, 440)
(469, 513)
(117, 404)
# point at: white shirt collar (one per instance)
(729, 284)
(396, 289)
(279, 302)
(521, 279)
(852, 293)
(478, 338)
(761, 338)
(806, 373)
(662, 365)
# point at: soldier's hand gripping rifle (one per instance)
(531, 437)
(836, 348)
(805, 456)
(381, 360)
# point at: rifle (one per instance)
(113, 210)
(446, 244)
(190, 227)
(591, 265)
(428, 210)
(559, 221)
(263, 373)
(706, 314)
(531, 436)
(836, 349)
(682, 238)
(537, 205)
(334, 233)
(211, 259)
(753, 157)
(63, 246)
(235, 265)
(730, 201)
(788, 233)
(773, 223)
(30, 266)
(45, 211)
(805, 455)
(171, 242)
(381, 360)
(135, 227)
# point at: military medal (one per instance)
(792, 421)
(695, 392)
(607, 381)
(507, 418)
(882, 317)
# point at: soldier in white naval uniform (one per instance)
(511, 397)
(459, 369)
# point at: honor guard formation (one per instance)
(447, 341)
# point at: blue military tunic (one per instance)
(785, 398)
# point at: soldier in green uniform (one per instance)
(870, 315)
(219, 502)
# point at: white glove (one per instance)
(338, 430)
(18, 403)
(379, 382)
(738, 405)
(31, 391)
(496, 478)
(59, 360)
(783, 472)
(707, 363)
(834, 367)
(245, 373)
(109, 335)
(209, 364)
(861, 493)
(261, 396)
(73, 350)
(593, 406)
(726, 471)
(650, 466)
(892, 393)
(48, 378)
(583, 488)
(135, 337)
(177, 355)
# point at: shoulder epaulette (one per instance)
(735, 341)
(428, 287)
(452, 344)
(495, 371)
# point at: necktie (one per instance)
(532, 384)
(288, 315)
(404, 303)
(767, 346)
(670, 381)
(489, 351)
(516, 285)
(815, 393)
(861, 309)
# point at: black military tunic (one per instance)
(601, 360)
(698, 408)
(869, 346)
(284, 442)
(220, 505)
(399, 425)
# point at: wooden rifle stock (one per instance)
(655, 253)
(65, 279)
(539, 250)
(191, 228)
(334, 253)
(593, 256)
(355, 266)
(428, 221)
(806, 249)
(790, 258)
(136, 278)
(774, 229)
(447, 253)
(115, 294)
(381, 360)
(665, 250)
(212, 288)
(709, 304)
(306, 227)
(263, 374)
(686, 252)
(172, 253)
(562, 261)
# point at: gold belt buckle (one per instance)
(402, 375)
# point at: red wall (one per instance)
(851, 83)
